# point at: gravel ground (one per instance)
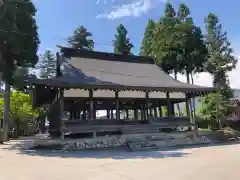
(208, 163)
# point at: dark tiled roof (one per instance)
(82, 72)
(236, 101)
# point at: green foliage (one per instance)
(122, 43)
(21, 109)
(81, 39)
(18, 37)
(163, 40)
(192, 51)
(47, 65)
(177, 43)
(214, 108)
(220, 61)
(147, 39)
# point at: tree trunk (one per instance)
(189, 101)
(178, 107)
(193, 99)
(6, 115)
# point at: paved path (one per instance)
(209, 163)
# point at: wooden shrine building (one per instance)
(130, 89)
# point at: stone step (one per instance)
(153, 143)
(141, 146)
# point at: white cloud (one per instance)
(135, 9)
(205, 79)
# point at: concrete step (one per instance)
(153, 143)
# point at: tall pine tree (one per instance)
(18, 44)
(192, 52)
(220, 62)
(47, 65)
(81, 39)
(147, 39)
(163, 46)
(122, 44)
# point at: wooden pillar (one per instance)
(160, 111)
(172, 109)
(168, 105)
(155, 112)
(127, 113)
(61, 104)
(94, 114)
(108, 114)
(143, 112)
(135, 114)
(90, 106)
(117, 106)
(147, 102)
(80, 115)
(187, 107)
(111, 114)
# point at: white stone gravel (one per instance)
(208, 163)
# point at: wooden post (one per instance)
(187, 107)
(135, 113)
(160, 111)
(117, 106)
(172, 109)
(143, 112)
(147, 102)
(155, 112)
(94, 113)
(169, 109)
(108, 114)
(111, 114)
(61, 101)
(91, 110)
(127, 113)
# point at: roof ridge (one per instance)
(108, 56)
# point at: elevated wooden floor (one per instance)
(125, 126)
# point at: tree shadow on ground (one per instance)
(107, 153)
(116, 154)
(112, 153)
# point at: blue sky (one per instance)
(58, 18)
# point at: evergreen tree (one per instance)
(147, 39)
(163, 45)
(47, 65)
(192, 52)
(81, 39)
(18, 44)
(122, 43)
(220, 62)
